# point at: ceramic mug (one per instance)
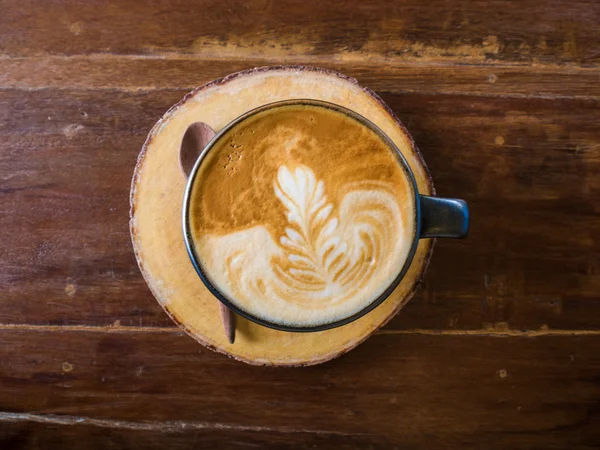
(434, 217)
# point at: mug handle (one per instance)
(443, 217)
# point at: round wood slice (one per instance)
(157, 194)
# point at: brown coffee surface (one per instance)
(301, 215)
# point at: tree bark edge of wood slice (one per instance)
(155, 216)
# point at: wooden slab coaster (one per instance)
(157, 194)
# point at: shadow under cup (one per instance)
(434, 217)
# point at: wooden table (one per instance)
(500, 349)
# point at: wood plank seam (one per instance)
(161, 426)
(483, 332)
(513, 95)
(307, 59)
(125, 90)
(143, 90)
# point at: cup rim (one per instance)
(190, 247)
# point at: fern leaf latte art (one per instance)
(301, 215)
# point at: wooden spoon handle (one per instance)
(228, 319)
(196, 137)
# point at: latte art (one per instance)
(314, 241)
(325, 257)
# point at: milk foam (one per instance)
(330, 263)
(301, 215)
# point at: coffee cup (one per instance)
(303, 216)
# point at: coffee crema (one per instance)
(301, 215)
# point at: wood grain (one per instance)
(392, 390)
(502, 100)
(551, 32)
(517, 161)
(40, 432)
(131, 73)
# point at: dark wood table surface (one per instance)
(500, 349)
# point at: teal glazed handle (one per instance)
(443, 217)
